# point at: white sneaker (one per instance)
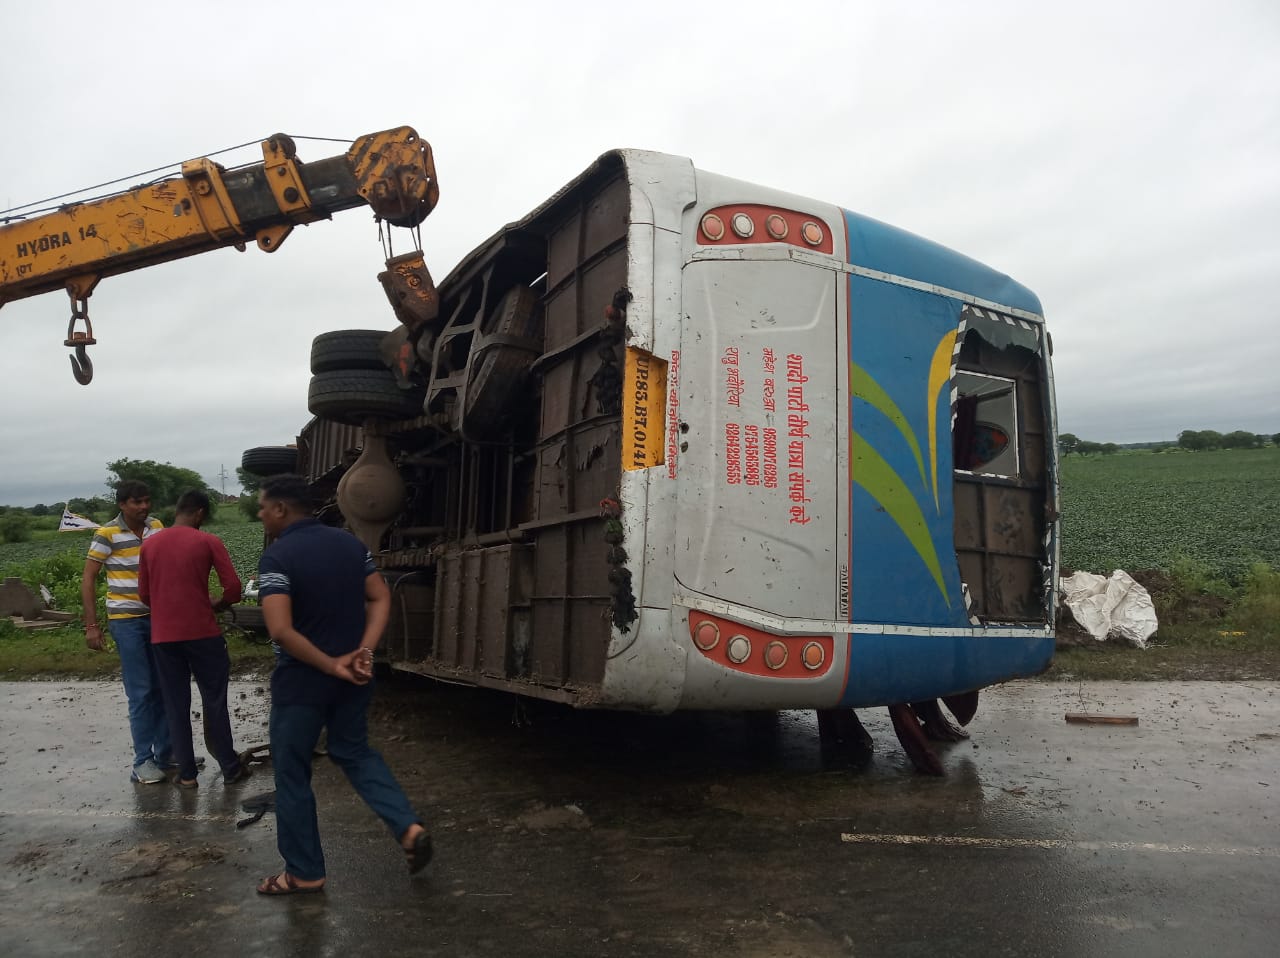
(148, 773)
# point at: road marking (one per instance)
(109, 813)
(864, 838)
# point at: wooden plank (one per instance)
(44, 622)
(1084, 718)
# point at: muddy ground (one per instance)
(569, 833)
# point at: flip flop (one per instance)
(257, 806)
(271, 886)
(419, 854)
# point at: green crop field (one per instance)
(243, 540)
(1147, 510)
(1131, 510)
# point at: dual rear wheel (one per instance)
(350, 383)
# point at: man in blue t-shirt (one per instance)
(326, 606)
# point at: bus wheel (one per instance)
(248, 617)
(347, 349)
(934, 723)
(351, 396)
(963, 706)
(269, 460)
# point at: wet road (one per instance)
(565, 833)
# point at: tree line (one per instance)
(1069, 442)
(1190, 439)
(165, 481)
(1209, 439)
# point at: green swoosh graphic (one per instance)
(877, 477)
(864, 387)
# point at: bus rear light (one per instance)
(736, 224)
(775, 655)
(813, 656)
(754, 651)
(812, 233)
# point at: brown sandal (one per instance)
(418, 854)
(271, 885)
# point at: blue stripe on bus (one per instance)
(886, 669)
(878, 246)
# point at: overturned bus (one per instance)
(676, 441)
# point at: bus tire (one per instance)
(247, 617)
(269, 460)
(351, 396)
(347, 349)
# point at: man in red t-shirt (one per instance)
(173, 579)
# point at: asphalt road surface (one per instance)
(564, 833)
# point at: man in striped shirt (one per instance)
(116, 547)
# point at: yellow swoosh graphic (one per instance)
(939, 374)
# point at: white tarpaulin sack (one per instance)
(1117, 607)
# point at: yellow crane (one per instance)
(208, 207)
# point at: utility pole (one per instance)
(222, 474)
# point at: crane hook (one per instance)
(81, 365)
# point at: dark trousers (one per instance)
(207, 661)
(294, 730)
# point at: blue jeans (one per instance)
(294, 730)
(147, 722)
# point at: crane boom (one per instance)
(208, 207)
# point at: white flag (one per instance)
(74, 523)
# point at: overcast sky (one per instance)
(1120, 159)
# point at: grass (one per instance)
(1181, 663)
(61, 654)
(1209, 630)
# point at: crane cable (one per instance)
(5, 214)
